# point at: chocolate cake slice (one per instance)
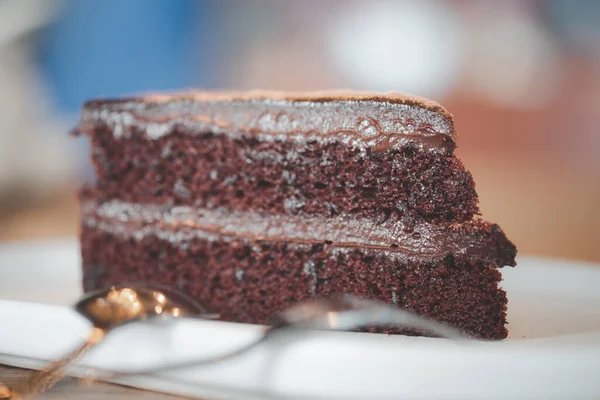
(250, 202)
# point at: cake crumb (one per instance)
(310, 268)
(180, 189)
(292, 203)
(239, 274)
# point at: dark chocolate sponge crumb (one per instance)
(284, 177)
(252, 281)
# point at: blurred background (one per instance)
(522, 78)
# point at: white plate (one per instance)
(553, 349)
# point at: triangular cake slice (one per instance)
(251, 202)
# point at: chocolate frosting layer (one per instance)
(361, 120)
(475, 240)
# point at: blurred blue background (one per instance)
(115, 47)
(522, 78)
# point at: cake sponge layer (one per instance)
(307, 178)
(250, 281)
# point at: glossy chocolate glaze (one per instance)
(475, 240)
(379, 122)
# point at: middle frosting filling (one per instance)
(428, 241)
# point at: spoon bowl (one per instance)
(108, 308)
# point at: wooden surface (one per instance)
(71, 388)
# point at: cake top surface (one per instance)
(265, 96)
(362, 119)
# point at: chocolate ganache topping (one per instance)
(379, 122)
(470, 240)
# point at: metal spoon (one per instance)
(342, 313)
(106, 310)
(348, 312)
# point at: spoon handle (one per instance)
(40, 381)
